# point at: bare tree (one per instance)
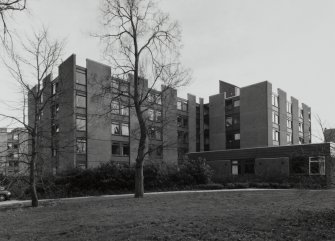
(142, 42)
(30, 67)
(7, 6)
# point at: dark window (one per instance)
(116, 149)
(125, 150)
(249, 167)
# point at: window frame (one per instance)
(321, 173)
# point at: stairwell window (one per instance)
(275, 100)
(81, 146)
(80, 101)
(81, 123)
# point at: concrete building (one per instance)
(308, 163)
(84, 124)
(13, 151)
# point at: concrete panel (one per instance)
(307, 123)
(282, 117)
(217, 119)
(66, 100)
(256, 115)
(170, 138)
(192, 123)
(202, 137)
(99, 137)
(295, 120)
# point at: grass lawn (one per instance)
(259, 215)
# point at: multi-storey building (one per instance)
(256, 116)
(84, 124)
(13, 151)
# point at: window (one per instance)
(275, 100)
(81, 146)
(81, 101)
(185, 137)
(115, 85)
(124, 110)
(15, 137)
(54, 88)
(300, 127)
(237, 136)
(151, 97)
(288, 107)
(289, 123)
(289, 138)
(179, 105)
(81, 78)
(275, 118)
(275, 135)
(152, 132)
(184, 106)
(9, 146)
(16, 155)
(116, 129)
(120, 149)
(236, 103)
(125, 149)
(249, 167)
(158, 134)
(229, 121)
(125, 129)
(229, 104)
(55, 128)
(115, 107)
(235, 168)
(301, 113)
(151, 114)
(116, 150)
(55, 110)
(158, 116)
(81, 123)
(179, 121)
(301, 140)
(54, 151)
(124, 88)
(317, 165)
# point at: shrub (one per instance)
(194, 172)
(210, 186)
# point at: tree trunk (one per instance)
(139, 180)
(33, 192)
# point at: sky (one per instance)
(290, 43)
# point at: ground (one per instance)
(239, 215)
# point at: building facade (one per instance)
(13, 151)
(87, 121)
(306, 164)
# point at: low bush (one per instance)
(210, 186)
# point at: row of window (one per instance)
(182, 105)
(316, 166)
(232, 121)
(231, 104)
(289, 137)
(289, 122)
(154, 115)
(119, 128)
(182, 121)
(119, 108)
(275, 102)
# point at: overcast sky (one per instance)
(290, 43)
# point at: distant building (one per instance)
(77, 133)
(329, 135)
(13, 151)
